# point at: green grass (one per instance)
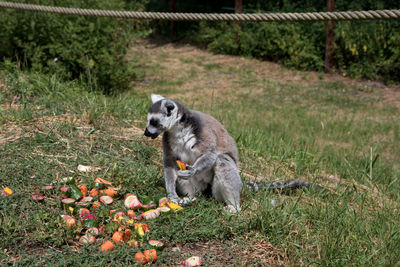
(322, 127)
(48, 127)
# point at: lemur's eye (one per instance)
(169, 107)
(154, 122)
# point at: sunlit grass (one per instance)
(321, 132)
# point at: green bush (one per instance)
(371, 51)
(280, 42)
(74, 47)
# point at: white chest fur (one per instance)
(181, 142)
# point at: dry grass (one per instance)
(178, 60)
(246, 251)
(217, 78)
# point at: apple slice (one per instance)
(106, 200)
(68, 202)
(93, 231)
(37, 197)
(192, 261)
(84, 168)
(151, 214)
(87, 239)
(69, 220)
(132, 202)
(164, 209)
(156, 244)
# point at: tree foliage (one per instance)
(75, 47)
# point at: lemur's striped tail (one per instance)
(284, 186)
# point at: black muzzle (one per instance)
(148, 134)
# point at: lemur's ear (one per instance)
(155, 98)
(169, 106)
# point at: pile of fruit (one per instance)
(99, 215)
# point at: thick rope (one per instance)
(309, 16)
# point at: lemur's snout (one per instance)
(149, 134)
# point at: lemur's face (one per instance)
(162, 116)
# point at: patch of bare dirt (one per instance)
(258, 252)
(11, 131)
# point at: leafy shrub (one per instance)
(75, 47)
(370, 51)
(280, 42)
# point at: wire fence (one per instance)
(308, 16)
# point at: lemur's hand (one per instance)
(186, 174)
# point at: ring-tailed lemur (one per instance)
(209, 151)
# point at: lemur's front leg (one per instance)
(170, 178)
(203, 163)
(170, 182)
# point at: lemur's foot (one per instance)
(232, 209)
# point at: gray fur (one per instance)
(204, 144)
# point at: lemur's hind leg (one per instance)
(227, 184)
